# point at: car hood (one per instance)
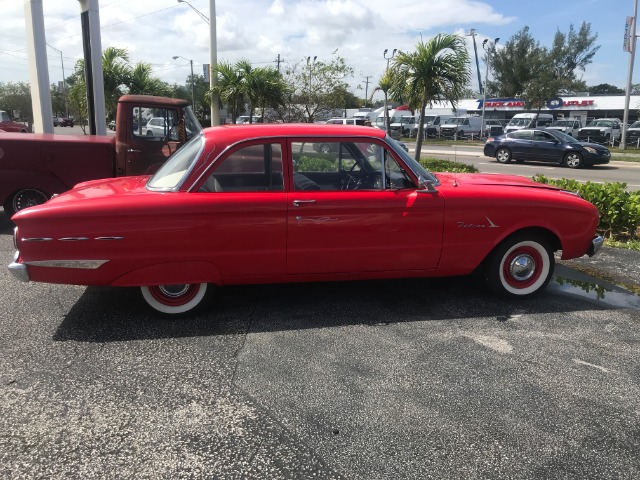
(489, 180)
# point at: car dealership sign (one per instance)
(518, 103)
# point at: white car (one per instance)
(157, 127)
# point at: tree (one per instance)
(384, 85)
(316, 89)
(605, 89)
(16, 97)
(140, 82)
(437, 70)
(525, 67)
(115, 73)
(229, 87)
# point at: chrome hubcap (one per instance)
(173, 291)
(522, 267)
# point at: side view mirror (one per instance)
(425, 186)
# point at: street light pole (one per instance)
(486, 76)
(64, 84)
(193, 98)
(213, 54)
(472, 33)
(386, 109)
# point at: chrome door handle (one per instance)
(297, 203)
(131, 150)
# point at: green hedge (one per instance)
(439, 165)
(619, 209)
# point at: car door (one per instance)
(545, 147)
(244, 211)
(360, 213)
(520, 144)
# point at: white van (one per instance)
(462, 126)
(528, 120)
(394, 116)
(346, 121)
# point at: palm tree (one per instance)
(268, 89)
(229, 88)
(140, 82)
(384, 85)
(437, 70)
(115, 72)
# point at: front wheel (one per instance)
(27, 197)
(175, 300)
(573, 160)
(520, 267)
(503, 155)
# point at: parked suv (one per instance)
(601, 130)
(570, 126)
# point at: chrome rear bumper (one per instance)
(596, 245)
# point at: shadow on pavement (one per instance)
(110, 314)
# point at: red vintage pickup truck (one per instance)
(35, 167)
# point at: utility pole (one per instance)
(366, 90)
(629, 46)
(278, 61)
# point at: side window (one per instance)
(155, 124)
(521, 135)
(345, 166)
(542, 136)
(436, 121)
(254, 168)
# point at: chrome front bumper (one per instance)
(596, 245)
(19, 270)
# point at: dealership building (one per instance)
(583, 107)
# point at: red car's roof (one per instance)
(231, 133)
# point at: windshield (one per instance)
(520, 122)
(173, 172)
(191, 123)
(563, 137)
(563, 123)
(428, 119)
(635, 125)
(601, 123)
(417, 169)
(456, 121)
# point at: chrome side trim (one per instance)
(109, 238)
(37, 239)
(19, 270)
(73, 239)
(82, 264)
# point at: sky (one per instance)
(259, 30)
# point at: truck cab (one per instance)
(35, 167)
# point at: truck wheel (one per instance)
(503, 155)
(27, 197)
(520, 266)
(149, 133)
(176, 300)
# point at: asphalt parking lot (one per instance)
(408, 379)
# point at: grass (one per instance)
(629, 245)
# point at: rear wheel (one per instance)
(503, 155)
(179, 299)
(520, 266)
(27, 197)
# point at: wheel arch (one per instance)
(549, 236)
(171, 273)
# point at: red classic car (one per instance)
(261, 204)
